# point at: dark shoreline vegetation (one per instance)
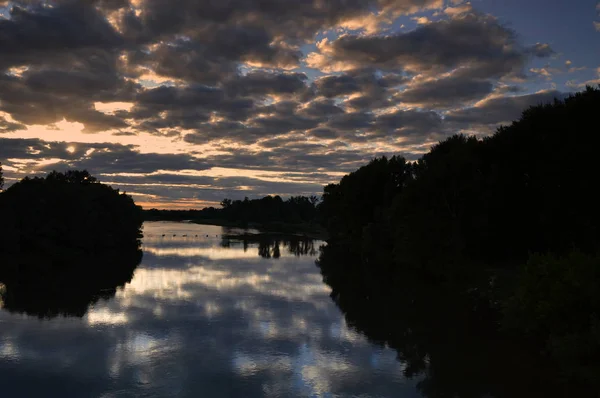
(494, 238)
(508, 224)
(66, 242)
(298, 215)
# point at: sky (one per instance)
(182, 103)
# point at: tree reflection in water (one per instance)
(270, 245)
(64, 283)
(455, 349)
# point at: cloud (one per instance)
(232, 293)
(97, 158)
(477, 44)
(458, 9)
(416, 125)
(277, 85)
(446, 92)
(9, 127)
(541, 50)
(42, 35)
(261, 83)
(502, 109)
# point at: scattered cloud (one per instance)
(152, 88)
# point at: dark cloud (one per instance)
(41, 34)
(212, 57)
(281, 124)
(9, 127)
(103, 158)
(262, 83)
(370, 88)
(37, 149)
(367, 80)
(501, 109)
(351, 122)
(321, 109)
(31, 100)
(324, 133)
(409, 123)
(446, 92)
(127, 160)
(542, 50)
(478, 43)
(294, 20)
(333, 86)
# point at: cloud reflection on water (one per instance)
(192, 323)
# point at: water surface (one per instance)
(205, 315)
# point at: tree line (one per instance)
(512, 220)
(271, 212)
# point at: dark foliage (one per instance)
(557, 304)
(450, 347)
(470, 212)
(270, 211)
(1, 178)
(525, 189)
(363, 197)
(67, 210)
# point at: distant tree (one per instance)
(225, 203)
(72, 177)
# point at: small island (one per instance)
(66, 241)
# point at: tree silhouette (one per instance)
(470, 212)
(270, 211)
(68, 210)
(363, 197)
(445, 343)
(1, 178)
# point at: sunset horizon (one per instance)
(182, 104)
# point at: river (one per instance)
(206, 314)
